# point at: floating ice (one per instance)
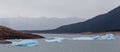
(60, 39)
(26, 43)
(105, 37)
(55, 39)
(82, 38)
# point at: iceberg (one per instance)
(26, 43)
(55, 39)
(105, 37)
(98, 37)
(82, 38)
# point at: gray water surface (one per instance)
(67, 46)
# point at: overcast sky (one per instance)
(56, 8)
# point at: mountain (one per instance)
(38, 23)
(8, 33)
(100, 23)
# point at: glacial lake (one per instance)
(67, 46)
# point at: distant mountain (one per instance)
(40, 23)
(100, 23)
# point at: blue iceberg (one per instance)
(103, 37)
(26, 43)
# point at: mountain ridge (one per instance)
(100, 23)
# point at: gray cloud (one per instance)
(42, 23)
(56, 8)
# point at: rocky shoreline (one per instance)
(8, 33)
(5, 42)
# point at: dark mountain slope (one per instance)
(7, 33)
(100, 23)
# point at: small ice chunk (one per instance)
(108, 37)
(111, 37)
(26, 43)
(55, 39)
(105, 37)
(96, 37)
(82, 38)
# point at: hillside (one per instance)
(8, 33)
(100, 23)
